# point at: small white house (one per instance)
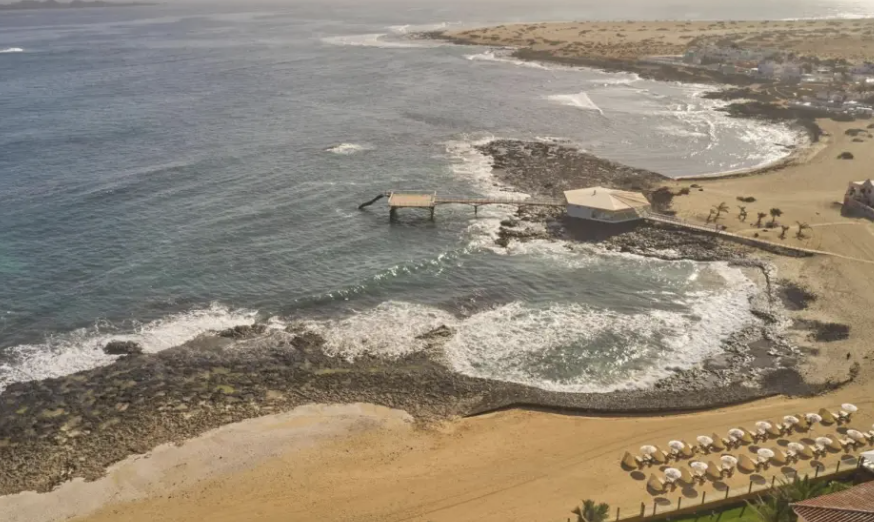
(605, 205)
(861, 191)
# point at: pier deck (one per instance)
(430, 200)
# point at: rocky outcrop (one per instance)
(243, 331)
(549, 169)
(122, 348)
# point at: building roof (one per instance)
(605, 199)
(853, 505)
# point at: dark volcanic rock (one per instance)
(549, 169)
(122, 348)
(243, 331)
(845, 155)
(78, 425)
(441, 332)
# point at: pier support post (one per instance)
(392, 213)
(432, 213)
(475, 209)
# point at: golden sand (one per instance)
(848, 39)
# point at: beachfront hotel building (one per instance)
(606, 205)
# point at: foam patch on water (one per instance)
(498, 57)
(12, 50)
(579, 101)
(82, 349)
(347, 149)
(568, 347)
(382, 41)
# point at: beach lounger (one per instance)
(686, 476)
(688, 450)
(718, 443)
(827, 417)
(656, 484)
(746, 464)
(747, 438)
(779, 458)
(803, 426)
(660, 457)
(713, 473)
(806, 452)
(776, 430)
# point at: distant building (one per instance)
(852, 505)
(861, 192)
(606, 205)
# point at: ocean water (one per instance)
(170, 170)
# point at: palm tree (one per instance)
(801, 228)
(591, 512)
(742, 215)
(775, 213)
(722, 207)
(784, 229)
(762, 216)
(710, 216)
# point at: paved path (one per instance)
(670, 220)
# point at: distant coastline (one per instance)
(32, 5)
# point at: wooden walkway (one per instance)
(430, 200)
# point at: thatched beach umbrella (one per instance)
(673, 474)
(857, 436)
(628, 461)
(765, 453)
(717, 443)
(849, 408)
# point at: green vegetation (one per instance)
(776, 507)
(735, 514)
(591, 512)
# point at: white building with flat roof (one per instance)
(606, 205)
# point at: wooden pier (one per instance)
(430, 200)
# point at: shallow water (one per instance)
(175, 169)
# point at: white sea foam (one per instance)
(580, 101)
(12, 50)
(381, 40)
(82, 349)
(621, 79)
(522, 343)
(499, 57)
(346, 149)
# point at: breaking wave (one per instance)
(82, 349)
(579, 101)
(12, 50)
(347, 149)
(498, 57)
(569, 347)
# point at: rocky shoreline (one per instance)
(55, 430)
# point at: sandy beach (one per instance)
(515, 465)
(630, 40)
